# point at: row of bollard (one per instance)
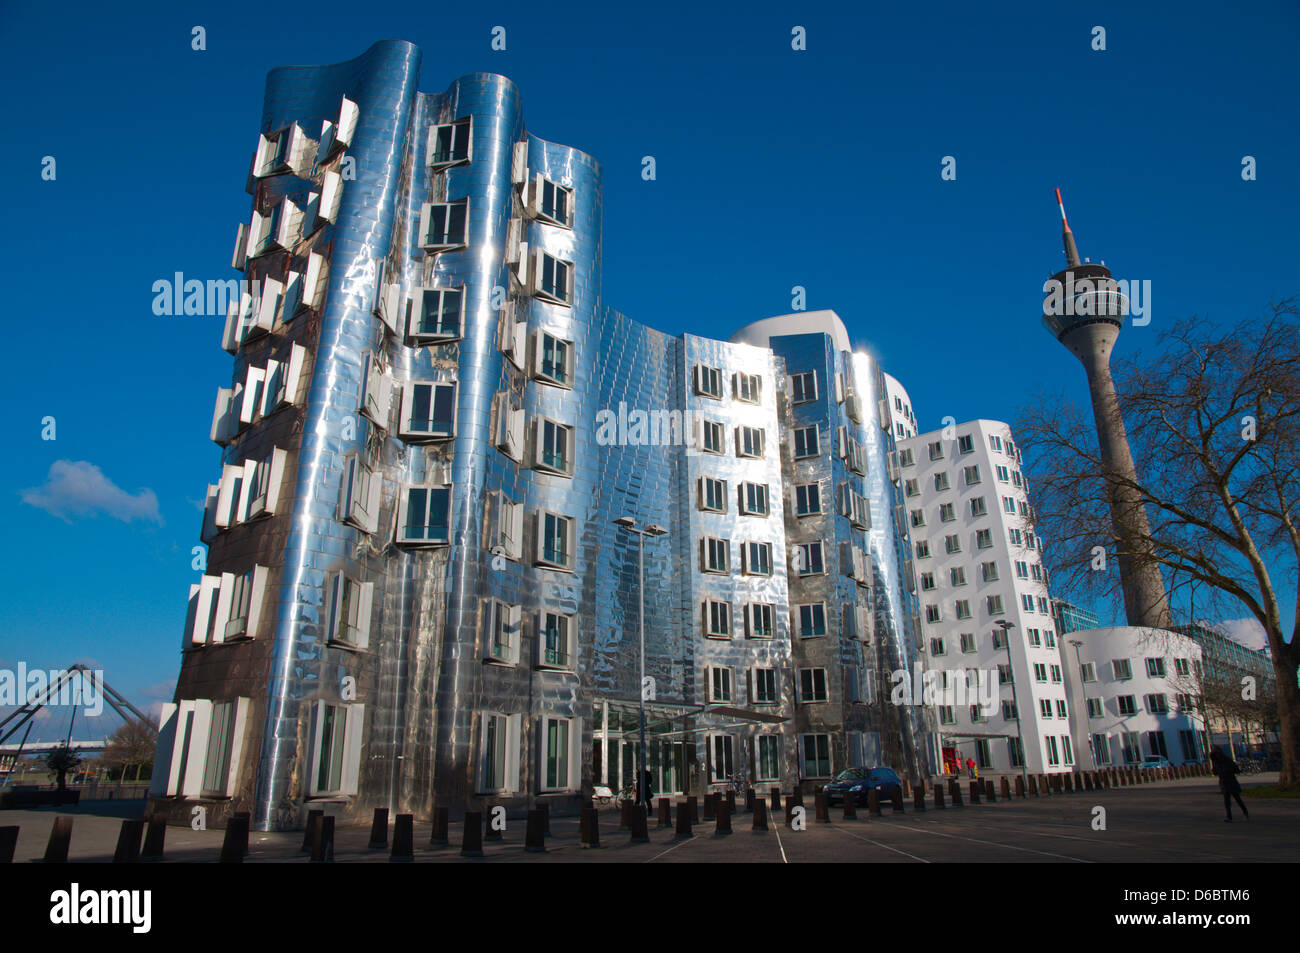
(318, 837)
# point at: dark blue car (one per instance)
(859, 781)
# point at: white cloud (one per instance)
(1247, 632)
(77, 488)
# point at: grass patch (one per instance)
(1269, 790)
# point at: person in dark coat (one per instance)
(1225, 769)
(646, 788)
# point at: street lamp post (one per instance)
(652, 530)
(1083, 690)
(1015, 702)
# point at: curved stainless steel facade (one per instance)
(498, 653)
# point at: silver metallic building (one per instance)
(415, 590)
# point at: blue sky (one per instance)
(776, 168)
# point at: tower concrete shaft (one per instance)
(1087, 318)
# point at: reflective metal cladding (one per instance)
(416, 592)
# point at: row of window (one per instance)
(246, 492)
(807, 619)
(1122, 669)
(1156, 703)
(992, 605)
(1135, 747)
(707, 382)
(200, 745)
(554, 636)
(965, 445)
(263, 391)
(988, 573)
(978, 507)
(271, 303)
(983, 539)
(282, 226)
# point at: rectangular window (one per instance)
(503, 632)
(963, 609)
(946, 513)
(910, 488)
(433, 315)
(1123, 670)
(947, 716)
(984, 539)
(555, 540)
(937, 647)
(551, 202)
(1040, 672)
(941, 481)
(1094, 708)
(1045, 707)
(767, 766)
(936, 450)
(1033, 636)
(337, 749)
(747, 388)
(711, 433)
(708, 381)
(952, 543)
(721, 761)
(719, 682)
(759, 620)
(808, 559)
(968, 642)
(1009, 711)
(1155, 668)
(424, 515)
(715, 555)
(803, 387)
(757, 559)
(1087, 672)
(1101, 748)
(499, 753)
(966, 444)
(444, 225)
(749, 442)
(348, 611)
(1053, 756)
(554, 360)
(812, 619)
(994, 605)
(713, 495)
(764, 692)
(812, 685)
(753, 499)
(978, 507)
(923, 549)
(918, 517)
(559, 741)
(717, 619)
(1127, 704)
(806, 442)
(428, 411)
(808, 500)
(1157, 704)
(553, 448)
(816, 749)
(555, 647)
(905, 457)
(927, 581)
(449, 143)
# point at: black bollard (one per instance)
(776, 799)
(545, 808)
(665, 812)
(918, 798)
(873, 802)
(471, 844)
(749, 800)
(790, 804)
(491, 832)
(693, 809)
(760, 815)
(248, 824)
(232, 844)
(823, 814)
(724, 820)
(8, 844)
(730, 800)
(379, 830)
(938, 797)
(154, 836)
(56, 849)
(403, 840)
(312, 818)
(850, 806)
(1020, 787)
(898, 800)
(640, 828)
(1033, 785)
(322, 851)
(625, 815)
(684, 819)
(590, 828)
(535, 833)
(128, 841)
(989, 794)
(975, 792)
(710, 806)
(1006, 789)
(955, 791)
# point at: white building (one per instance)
(1138, 696)
(978, 563)
(902, 416)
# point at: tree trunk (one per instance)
(1288, 709)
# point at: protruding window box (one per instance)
(503, 633)
(553, 448)
(444, 226)
(435, 315)
(348, 610)
(277, 229)
(282, 151)
(376, 390)
(336, 135)
(551, 278)
(508, 427)
(548, 201)
(428, 412)
(424, 516)
(359, 495)
(555, 641)
(556, 541)
(450, 143)
(553, 360)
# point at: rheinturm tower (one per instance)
(1084, 311)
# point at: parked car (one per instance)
(858, 782)
(1153, 761)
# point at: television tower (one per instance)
(1085, 312)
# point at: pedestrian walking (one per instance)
(1225, 769)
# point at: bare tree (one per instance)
(131, 745)
(1214, 423)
